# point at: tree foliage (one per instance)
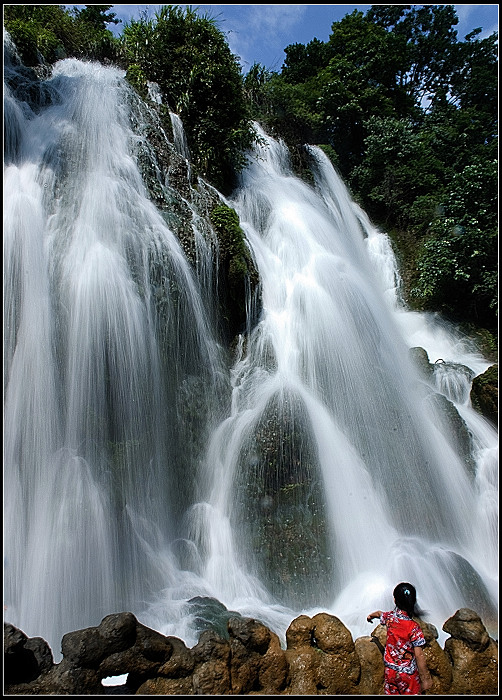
(187, 56)
(47, 33)
(457, 264)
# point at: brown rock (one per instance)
(152, 645)
(244, 668)
(258, 664)
(321, 659)
(211, 646)
(212, 678)
(150, 651)
(340, 669)
(474, 672)
(118, 632)
(252, 633)
(439, 667)
(372, 668)
(299, 633)
(472, 654)
(166, 686)
(322, 656)
(437, 662)
(212, 672)
(182, 661)
(66, 679)
(274, 670)
(467, 626)
(83, 648)
(130, 661)
(302, 671)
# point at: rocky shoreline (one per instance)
(320, 658)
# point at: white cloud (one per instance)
(266, 25)
(471, 16)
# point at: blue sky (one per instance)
(259, 33)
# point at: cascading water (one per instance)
(106, 336)
(338, 476)
(140, 472)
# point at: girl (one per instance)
(406, 670)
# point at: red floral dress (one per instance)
(401, 671)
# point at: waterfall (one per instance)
(141, 471)
(334, 459)
(112, 372)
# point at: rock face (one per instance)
(485, 394)
(320, 659)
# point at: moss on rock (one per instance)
(237, 268)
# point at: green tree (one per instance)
(96, 16)
(40, 32)
(399, 167)
(429, 42)
(304, 62)
(457, 264)
(255, 93)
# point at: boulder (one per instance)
(321, 659)
(372, 668)
(322, 656)
(166, 686)
(174, 676)
(88, 647)
(274, 670)
(302, 671)
(299, 633)
(24, 659)
(181, 663)
(258, 662)
(437, 661)
(211, 675)
(467, 626)
(472, 653)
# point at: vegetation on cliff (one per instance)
(200, 79)
(237, 271)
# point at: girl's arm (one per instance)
(373, 615)
(423, 671)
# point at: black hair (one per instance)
(405, 596)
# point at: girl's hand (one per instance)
(373, 615)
